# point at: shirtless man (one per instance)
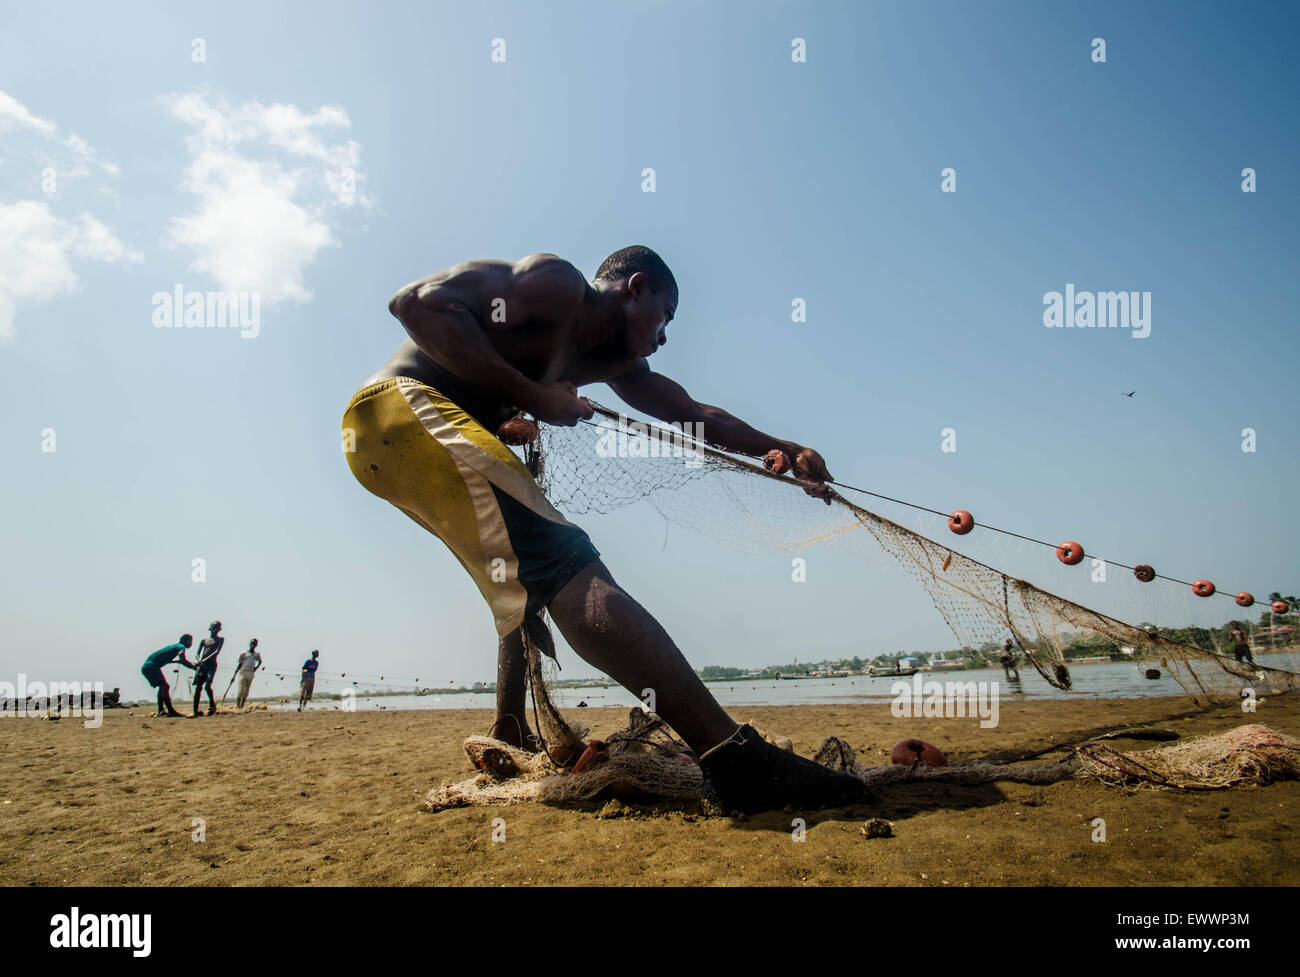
(1240, 643)
(488, 339)
(205, 670)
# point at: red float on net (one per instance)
(1202, 588)
(961, 522)
(594, 753)
(1144, 572)
(1070, 553)
(777, 461)
(518, 431)
(1280, 607)
(914, 753)
(1244, 599)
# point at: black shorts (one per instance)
(154, 676)
(205, 674)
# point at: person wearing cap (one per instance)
(308, 679)
(205, 667)
(152, 670)
(249, 662)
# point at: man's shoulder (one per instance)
(548, 278)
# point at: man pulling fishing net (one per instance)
(489, 339)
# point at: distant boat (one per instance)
(878, 670)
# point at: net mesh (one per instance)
(646, 762)
(615, 461)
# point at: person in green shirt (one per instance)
(152, 670)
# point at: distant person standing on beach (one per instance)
(308, 679)
(1240, 644)
(1008, 662)
(152, 670)
(205, 667)
(249, 662)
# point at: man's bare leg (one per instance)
(610, 630)
(741, 771)
(512, 682)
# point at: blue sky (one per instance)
(324, 154)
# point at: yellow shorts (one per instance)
(409, 444)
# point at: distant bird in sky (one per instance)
(1130, 394)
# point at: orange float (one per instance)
(777, 461)
(1280, 607)
(1244, 599)
(1144, 572)
(1202, 588)
(1070, 553)
(913, 753)
(591, 756)
(961, 522)
(518, 431)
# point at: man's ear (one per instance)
(637, 284)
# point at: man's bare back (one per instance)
(499, 338)
(519, 336)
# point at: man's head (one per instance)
(252, 643)
(214, 627)
(315, 654)
(187, 640)
(648, 292)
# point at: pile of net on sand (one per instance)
(1251, 754)
(645, 761)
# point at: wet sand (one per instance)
(333, 798)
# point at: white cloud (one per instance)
(35, 251)
(37, 246)
(16, 117)
(270, 182)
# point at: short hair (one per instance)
(624, 263)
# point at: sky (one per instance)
(919, 175)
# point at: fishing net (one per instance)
(615, 461)
(644, 759)
(645, 762)
(1251, 754)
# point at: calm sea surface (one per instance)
(1104, 681)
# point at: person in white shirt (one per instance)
(249, 662)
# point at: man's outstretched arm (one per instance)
(666, 399)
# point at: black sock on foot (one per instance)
(749, 775)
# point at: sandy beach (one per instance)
(333, 798)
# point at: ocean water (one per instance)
(1108, 681)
